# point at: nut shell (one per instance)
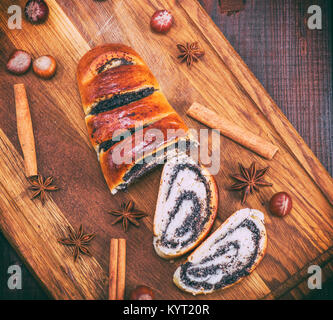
(45, 67)
(19, 62)
(280, 204)
(36, 11)
(161, 21)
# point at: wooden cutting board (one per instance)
(222, 82)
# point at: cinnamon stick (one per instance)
(121, 269)
(229, 129)
(113, 269)
(25, 130)
(117, 269)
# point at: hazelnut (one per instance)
(45, 67)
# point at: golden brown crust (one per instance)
(147, 110)
(114, 172)
(120, 80)
(96, 82)
(94, 59)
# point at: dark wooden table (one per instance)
(294, 65)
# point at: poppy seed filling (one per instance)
(157, 158)
(198, 277)
(119, 100)
(190, 224)
(109, 63)
(193, 223)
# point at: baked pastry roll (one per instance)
(232, 252)
(122, 100)
(186, 207)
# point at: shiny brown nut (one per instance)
(142, 293)
(45, 67)
(280, 204)
(36, 11)
(161, 21)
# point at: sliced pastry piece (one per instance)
(186, 207)
(232, 252)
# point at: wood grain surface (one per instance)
(223, 82)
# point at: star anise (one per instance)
(249, 180)
(41, 186)
(127, 213)
(79, 240)
(190, 52)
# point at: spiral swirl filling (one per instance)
(232, 259)
(189, 208)
(119, 100)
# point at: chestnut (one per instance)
(19, 62)
(45, 67)
(36, 11)
(280, 204)
(142, 293)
